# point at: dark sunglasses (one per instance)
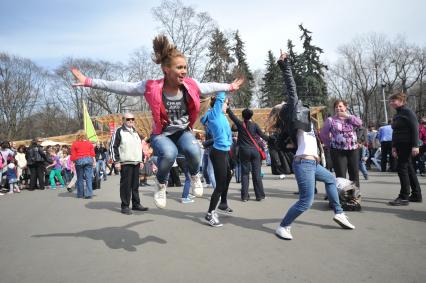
(130, 119)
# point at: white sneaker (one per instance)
(343, 221)
(160, 195)
(282, 176)
(284, 232)
(213, 219)
(196, 186)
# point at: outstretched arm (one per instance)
(285, 67)
(212, 88)
(124, 88)
(234, 118)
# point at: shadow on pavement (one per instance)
(413, 215)
(67, 195)
(113, 237)
(198, 217)
(107, 205)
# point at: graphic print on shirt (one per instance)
(177, 112)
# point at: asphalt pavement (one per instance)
(51, 236)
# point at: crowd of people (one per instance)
(37, 167)
(292, 142)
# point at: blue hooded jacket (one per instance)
(218, 125)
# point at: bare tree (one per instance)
(188, 29)
(368, 63)
(141, 67)
(21, 84)
(98, 102)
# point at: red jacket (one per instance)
(80, 149)
(154, 98)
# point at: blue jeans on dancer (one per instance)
(306, 172)
(84, 169)
(166, 149)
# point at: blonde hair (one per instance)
(81, 135)
(164, 51)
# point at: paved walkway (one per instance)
(50, 236)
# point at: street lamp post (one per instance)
(384, 103)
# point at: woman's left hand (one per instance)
(236, 84)
(414, 151)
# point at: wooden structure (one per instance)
(143, 122)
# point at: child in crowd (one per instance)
(56, 170)
(363, 157)
(12, 178)
(67, 164)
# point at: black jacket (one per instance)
(294, 114)
(243, 138)
(405, 127)
(35, 155)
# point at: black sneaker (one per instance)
(213, 219)
(415, 199)
(140, 208)
(399, 202)
(225, 209)
(126, 210)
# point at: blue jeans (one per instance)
(363, 168)
(101, 165)
(166, 149)
(205, 162)
(68, 175)
(210, 172)
(84, 169)
(187, 184)
(306, 172)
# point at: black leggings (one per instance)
(222, 173)
(346, 160)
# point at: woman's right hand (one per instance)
(343, 115)
(81, 79)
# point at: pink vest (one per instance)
(154, 98)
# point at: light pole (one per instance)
(384, 103)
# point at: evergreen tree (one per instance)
(218, 69)
(311, 84)
(272, 88)
(244, 95)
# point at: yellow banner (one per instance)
(88, 125)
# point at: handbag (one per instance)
(261, 152)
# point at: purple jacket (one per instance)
(340, 133)
(422, 134)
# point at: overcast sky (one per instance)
(48, 31)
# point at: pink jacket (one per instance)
(154, 98)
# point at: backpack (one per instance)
(349, 195)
